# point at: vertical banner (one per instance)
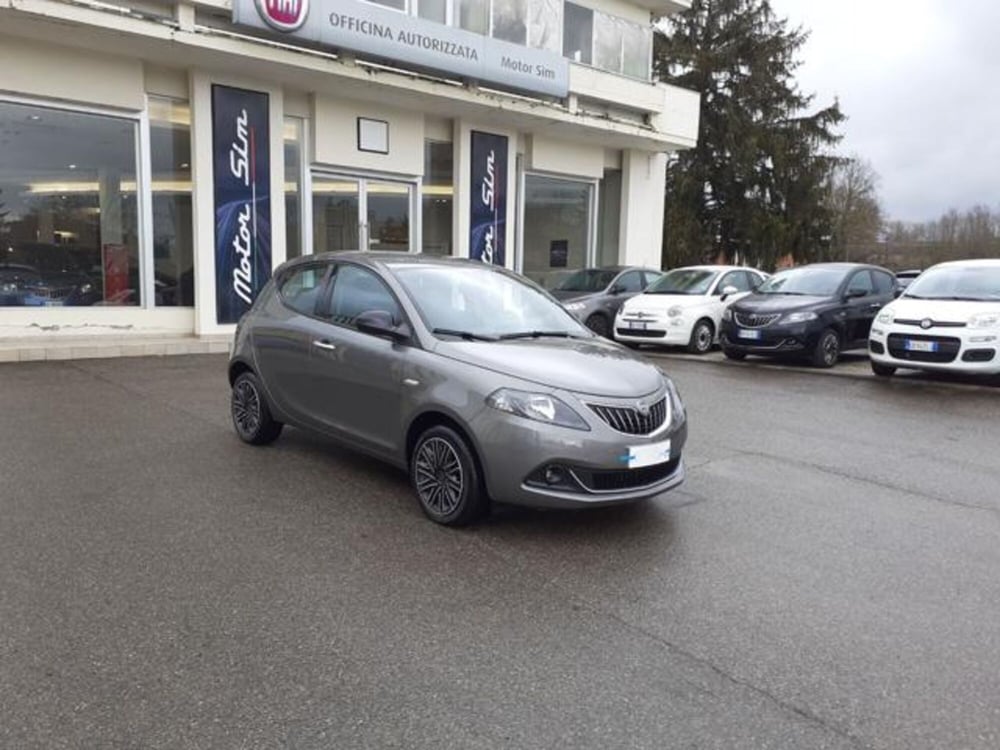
(488, 212)
(242, 174)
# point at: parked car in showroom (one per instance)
(947, 320)
(467, 376)
(594, 295)
(815, 312)
(684, 307)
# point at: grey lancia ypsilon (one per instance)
(471, 378)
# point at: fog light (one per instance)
(554, 475)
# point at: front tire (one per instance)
(445, 477)
(251, 415)
(599, 325)
(883, 371)
(702, 337)
(827, 350)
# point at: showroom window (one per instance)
(557, 236)
(170, 160)
(69, 232)
(437, 198)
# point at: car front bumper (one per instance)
(960, 350)
(774, 339)
(516, 452)
(664, 331)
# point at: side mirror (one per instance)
(380, 323)
(855, 293)
(727, 290)
(617, 289)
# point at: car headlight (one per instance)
(675, 311)
(727, 314)
(886, 316)
(575, 306)
(799, 317)
(539, 407)
(985, 320)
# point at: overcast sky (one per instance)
(920, 84)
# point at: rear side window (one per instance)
(884, 282)
(357, 290)
(300, 288)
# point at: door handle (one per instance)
(325, 345)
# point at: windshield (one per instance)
(587, 280)
(477, 302)
(684, 281)
(973, 283)
(816, 282)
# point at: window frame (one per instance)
(326, 299)
(324, 285)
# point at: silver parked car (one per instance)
(595, 295)
(468, 376)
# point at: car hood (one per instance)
(942, 311)
(588, 366)
(564, 296)
(773, 303)
(661, 302)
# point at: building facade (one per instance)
(158, 159)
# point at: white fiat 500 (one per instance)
(948, 319)
(684, 307)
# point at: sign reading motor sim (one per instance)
(488, 210)
(242, 177)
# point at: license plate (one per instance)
(920, 346)
(636, 325)
(637, 456)
(745, 334)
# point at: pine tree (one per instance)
(753, 188)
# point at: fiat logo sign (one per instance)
(926, 323)
(283, 15)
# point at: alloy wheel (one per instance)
(246, 408)
(831, 349)
(439, 479)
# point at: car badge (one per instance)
(926, 323)
(283, 15)
(642, 408)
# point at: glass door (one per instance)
(336, 213)
(360, 213)
(388, 211)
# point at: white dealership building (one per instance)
(158, 159)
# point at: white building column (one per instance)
(644, 176)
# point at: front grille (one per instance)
(934, 323)
(625, 479)
(753, 320)
(948, 348)
(641, 334)
(629, 420)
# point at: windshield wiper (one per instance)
(538, 335)
(467, 335)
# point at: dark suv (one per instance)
(814, 311)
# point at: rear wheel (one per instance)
(251, 415)
(599, 325)
(702, 337)
(827, 350)
(446, 478)
(883, 371)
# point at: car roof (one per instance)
(714, 268)
(391, 258)
(977, 263)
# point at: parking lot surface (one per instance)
(828, 577)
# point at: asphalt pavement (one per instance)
(828, 577)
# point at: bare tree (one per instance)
(856, 215)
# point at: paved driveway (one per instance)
(829, 577)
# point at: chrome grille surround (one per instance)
(754, 320)
(630, 420)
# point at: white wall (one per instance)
(335, 137)
(643, 182)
